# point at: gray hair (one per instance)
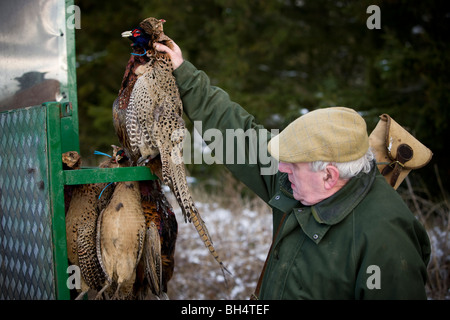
(349, 169)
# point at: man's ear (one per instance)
(331, 177)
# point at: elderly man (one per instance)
(339, 230)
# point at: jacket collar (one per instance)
(283, 199)
(335, 208)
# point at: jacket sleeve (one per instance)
(236, 140)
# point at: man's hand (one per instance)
(175, 55)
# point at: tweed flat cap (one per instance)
(334, 134)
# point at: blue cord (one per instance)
(104, 189)
(140, 54)
(101, 153)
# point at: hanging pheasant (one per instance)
(155, 128)
(156, 208)
(157, 263)
(120, 237)
(81, 220)
(138, 58)
(155, 268)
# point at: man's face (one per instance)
(308, 186)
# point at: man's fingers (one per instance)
(175, 55)
(162, 48)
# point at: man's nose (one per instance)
(284, 167)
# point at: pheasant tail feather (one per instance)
(173, 170)
(152, 259)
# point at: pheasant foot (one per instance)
(99, 294)
(81, 295)
(142, 161)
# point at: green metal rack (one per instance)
(60, 135)
(33, 249)
(33, 257)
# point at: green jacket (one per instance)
(361, 243)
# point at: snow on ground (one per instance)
(438, 271)
(242, 238)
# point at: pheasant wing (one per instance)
(139, 118)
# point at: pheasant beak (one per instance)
(162, 20)
(127, 34)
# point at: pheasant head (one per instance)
(71, 160)
(139, 38)
(119, 155)
(152, 25)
